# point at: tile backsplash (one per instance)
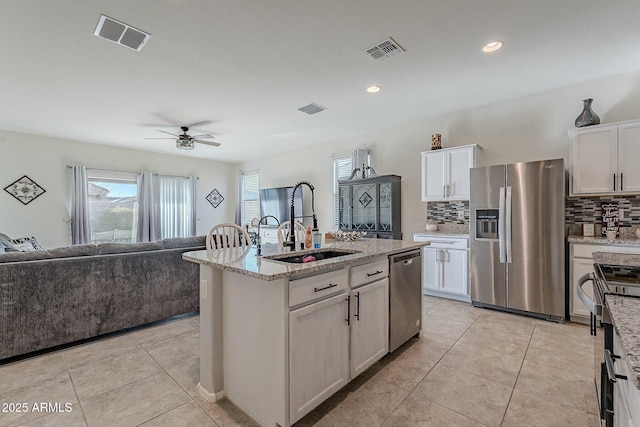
(447, 212)
(578, 211)
(588, 210)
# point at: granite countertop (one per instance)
(243, 259)
(603, 240)
(625, 312)
(612, 258)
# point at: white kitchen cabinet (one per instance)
(318, 353)
(369, 325)
(333, 340)
(445, 173)
(626, 396)
(446, 266)
(603, 159)
(582, 263)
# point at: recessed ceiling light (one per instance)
(373, 89)
(492, 47)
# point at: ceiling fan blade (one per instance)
(169, 133)
(159, 138)
(202, 123)
(213, 144)
(203, 136)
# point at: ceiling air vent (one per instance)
(384, 50)
(121, 33)
(311, 108)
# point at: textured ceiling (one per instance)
(247, 66)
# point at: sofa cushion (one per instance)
(118, 248)
(74, 250)
(184, 242)
(24, 256)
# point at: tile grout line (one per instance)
(66, 364)
(506, 409)
(427, 373)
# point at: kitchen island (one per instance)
(278, 338)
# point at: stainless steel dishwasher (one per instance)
(405, 297)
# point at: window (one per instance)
(249, 197)
(342, 168)
(113, 206)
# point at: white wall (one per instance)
(527, 128)
(45, 159)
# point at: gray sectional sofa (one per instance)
(58, 296)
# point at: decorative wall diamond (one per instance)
(365, 199)
(24, 189)
(215, 198)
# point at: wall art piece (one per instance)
(215, 198)
(24, 189)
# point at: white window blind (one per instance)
(250, 196)
(342, 168)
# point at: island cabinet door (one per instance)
(369, 325)
(318, 353)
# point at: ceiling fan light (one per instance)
(184, 144)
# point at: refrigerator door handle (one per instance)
(501, 222)
(508, 225)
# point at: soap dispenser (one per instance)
(308, 239)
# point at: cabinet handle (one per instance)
(447, 187)
(331, 285)
(444, 191)
(357, 314)
(348, 300)
(621, 182)
(373, 274)
(614, 182)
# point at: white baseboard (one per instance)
(210, 397)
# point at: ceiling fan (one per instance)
(187, 142)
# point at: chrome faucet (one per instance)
(258, 245)
(291, 243)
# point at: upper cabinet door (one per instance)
(594, 160)
(628, 156)
(445, 173)
(433, 175)
(460, 161)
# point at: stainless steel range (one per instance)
(607, 280)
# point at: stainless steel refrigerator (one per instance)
(517, 238)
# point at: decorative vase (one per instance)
(587, 117)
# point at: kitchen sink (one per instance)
(318, 255)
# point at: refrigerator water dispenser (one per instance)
(487, 224)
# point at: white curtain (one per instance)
(80, 227)
(148, 208)
(177, 206)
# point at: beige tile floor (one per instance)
(472, 367)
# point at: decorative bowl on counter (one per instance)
(347, 236)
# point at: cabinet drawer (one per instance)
(366, 273)
(586, 251)
(269, 232)
(315, 287)
(442, 242)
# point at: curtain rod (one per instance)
(114, 170)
